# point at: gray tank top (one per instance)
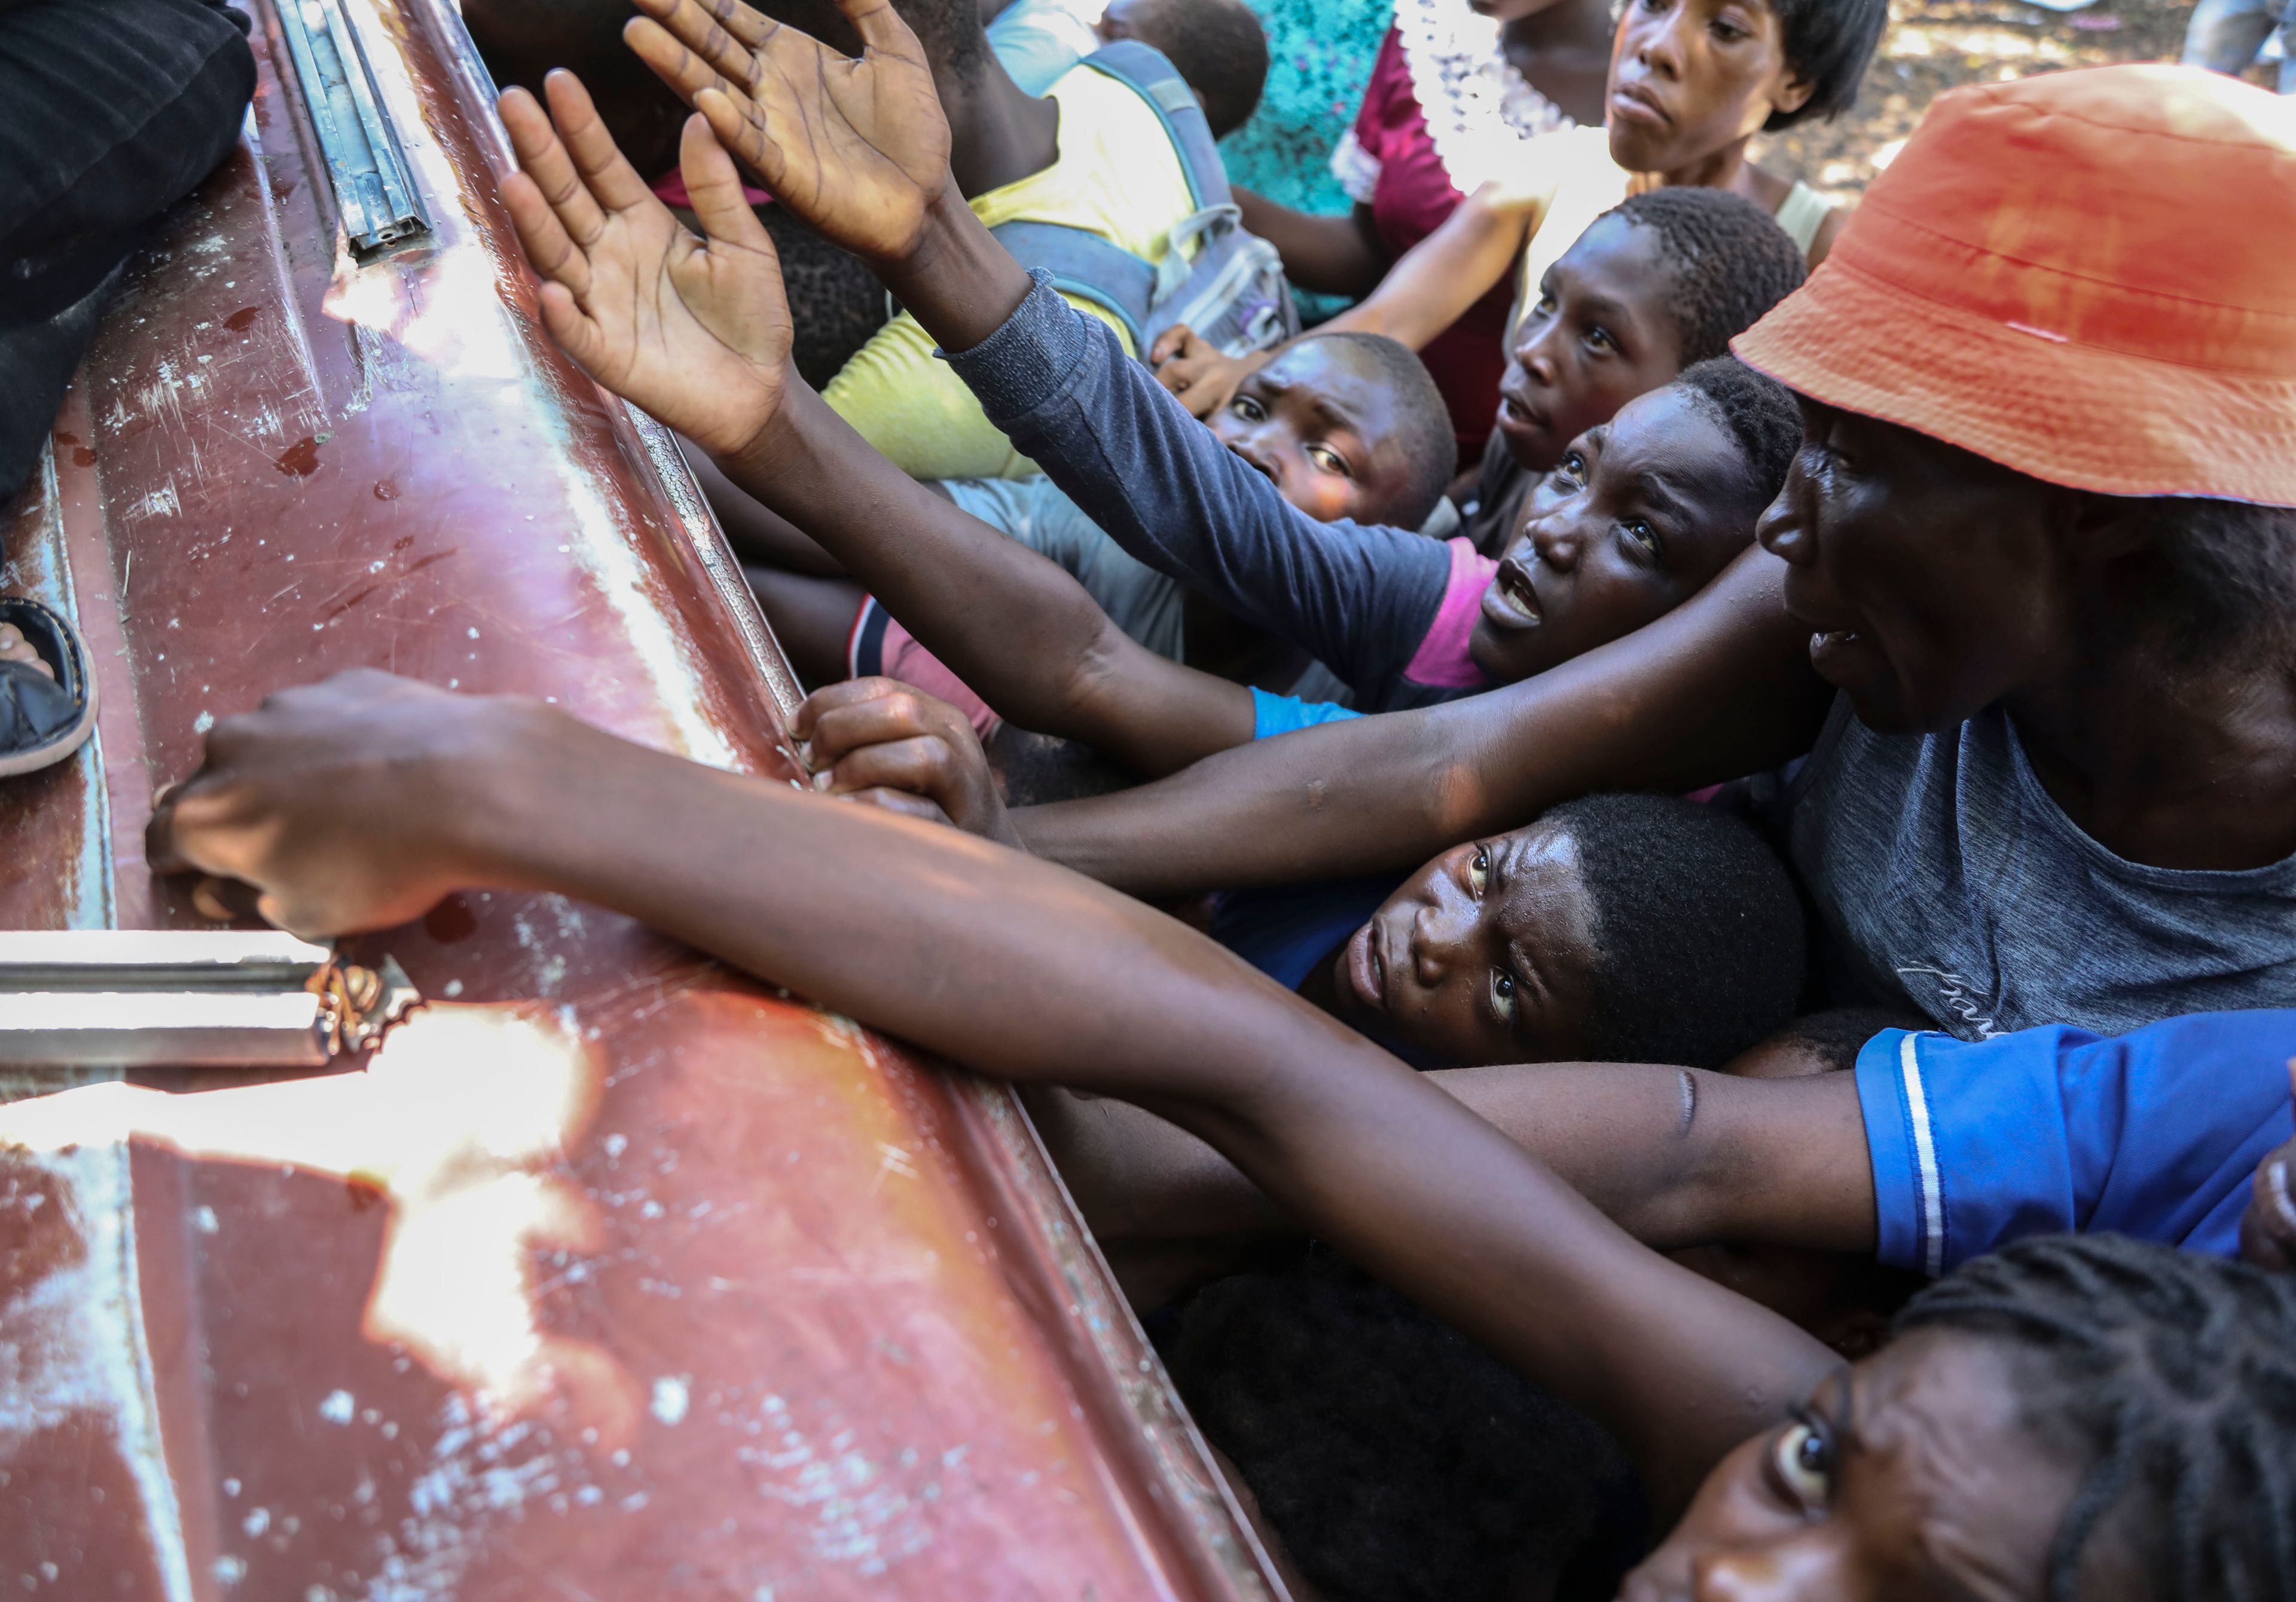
(1948, 878)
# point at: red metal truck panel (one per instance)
(613, 1275)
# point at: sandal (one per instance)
(43, 720)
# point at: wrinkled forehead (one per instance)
(1618, 261)
(1345, 383)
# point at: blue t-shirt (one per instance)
(1282, 930)
(2155, 1133)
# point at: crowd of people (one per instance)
(1634, 831)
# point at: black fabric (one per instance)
(36, 360)
(1397, 1461)
(111, 110)
(35, 708)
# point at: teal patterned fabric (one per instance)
(1319, 57)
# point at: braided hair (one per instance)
(1731, 262)
(2173, 1375)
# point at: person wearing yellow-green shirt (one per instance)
(1092, 154)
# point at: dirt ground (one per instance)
(1937, 44)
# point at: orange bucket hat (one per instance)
(2087, 276)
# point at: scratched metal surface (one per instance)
(613, 1276)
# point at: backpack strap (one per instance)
(1087, 266)
(1149, 73)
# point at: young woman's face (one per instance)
(1600, 334)
(1323, 428)
(1486, 955)
(1636, 518)
(1909, 1477)
(1932, 581)
(1690, 78)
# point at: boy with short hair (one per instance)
(1662, 281)
(1347, 426)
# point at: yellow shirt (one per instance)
(1116, 175)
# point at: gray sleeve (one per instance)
(1358, 596)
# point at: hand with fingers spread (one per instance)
(695, 332)
(1199, 372)
(857, 148)
(880, 741)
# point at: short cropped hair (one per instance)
(1760, 414)
(1422, 421)
(1219, 47)
(1828, 43)
(2227, 578)
(1698, 939)
(1730, 261)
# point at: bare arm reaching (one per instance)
(1675, 1157)
(1717, 688)
(596, 231)
(358, 803)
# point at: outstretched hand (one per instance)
(857, 148)
(695, 332)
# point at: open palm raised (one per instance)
(857, 148)
(695, 332)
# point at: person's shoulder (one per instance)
(1113, 146)
(1547, 163)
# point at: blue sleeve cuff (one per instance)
(1029, 358)
(1900, 1143)
(1273, 714)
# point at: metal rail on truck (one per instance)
(374, 195)
(611, 1274)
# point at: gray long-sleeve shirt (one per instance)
(1358, 597)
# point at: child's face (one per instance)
(1635, 520)
(1487, 954)
(1601, 334)
(1322, 426)
(1690, 78)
